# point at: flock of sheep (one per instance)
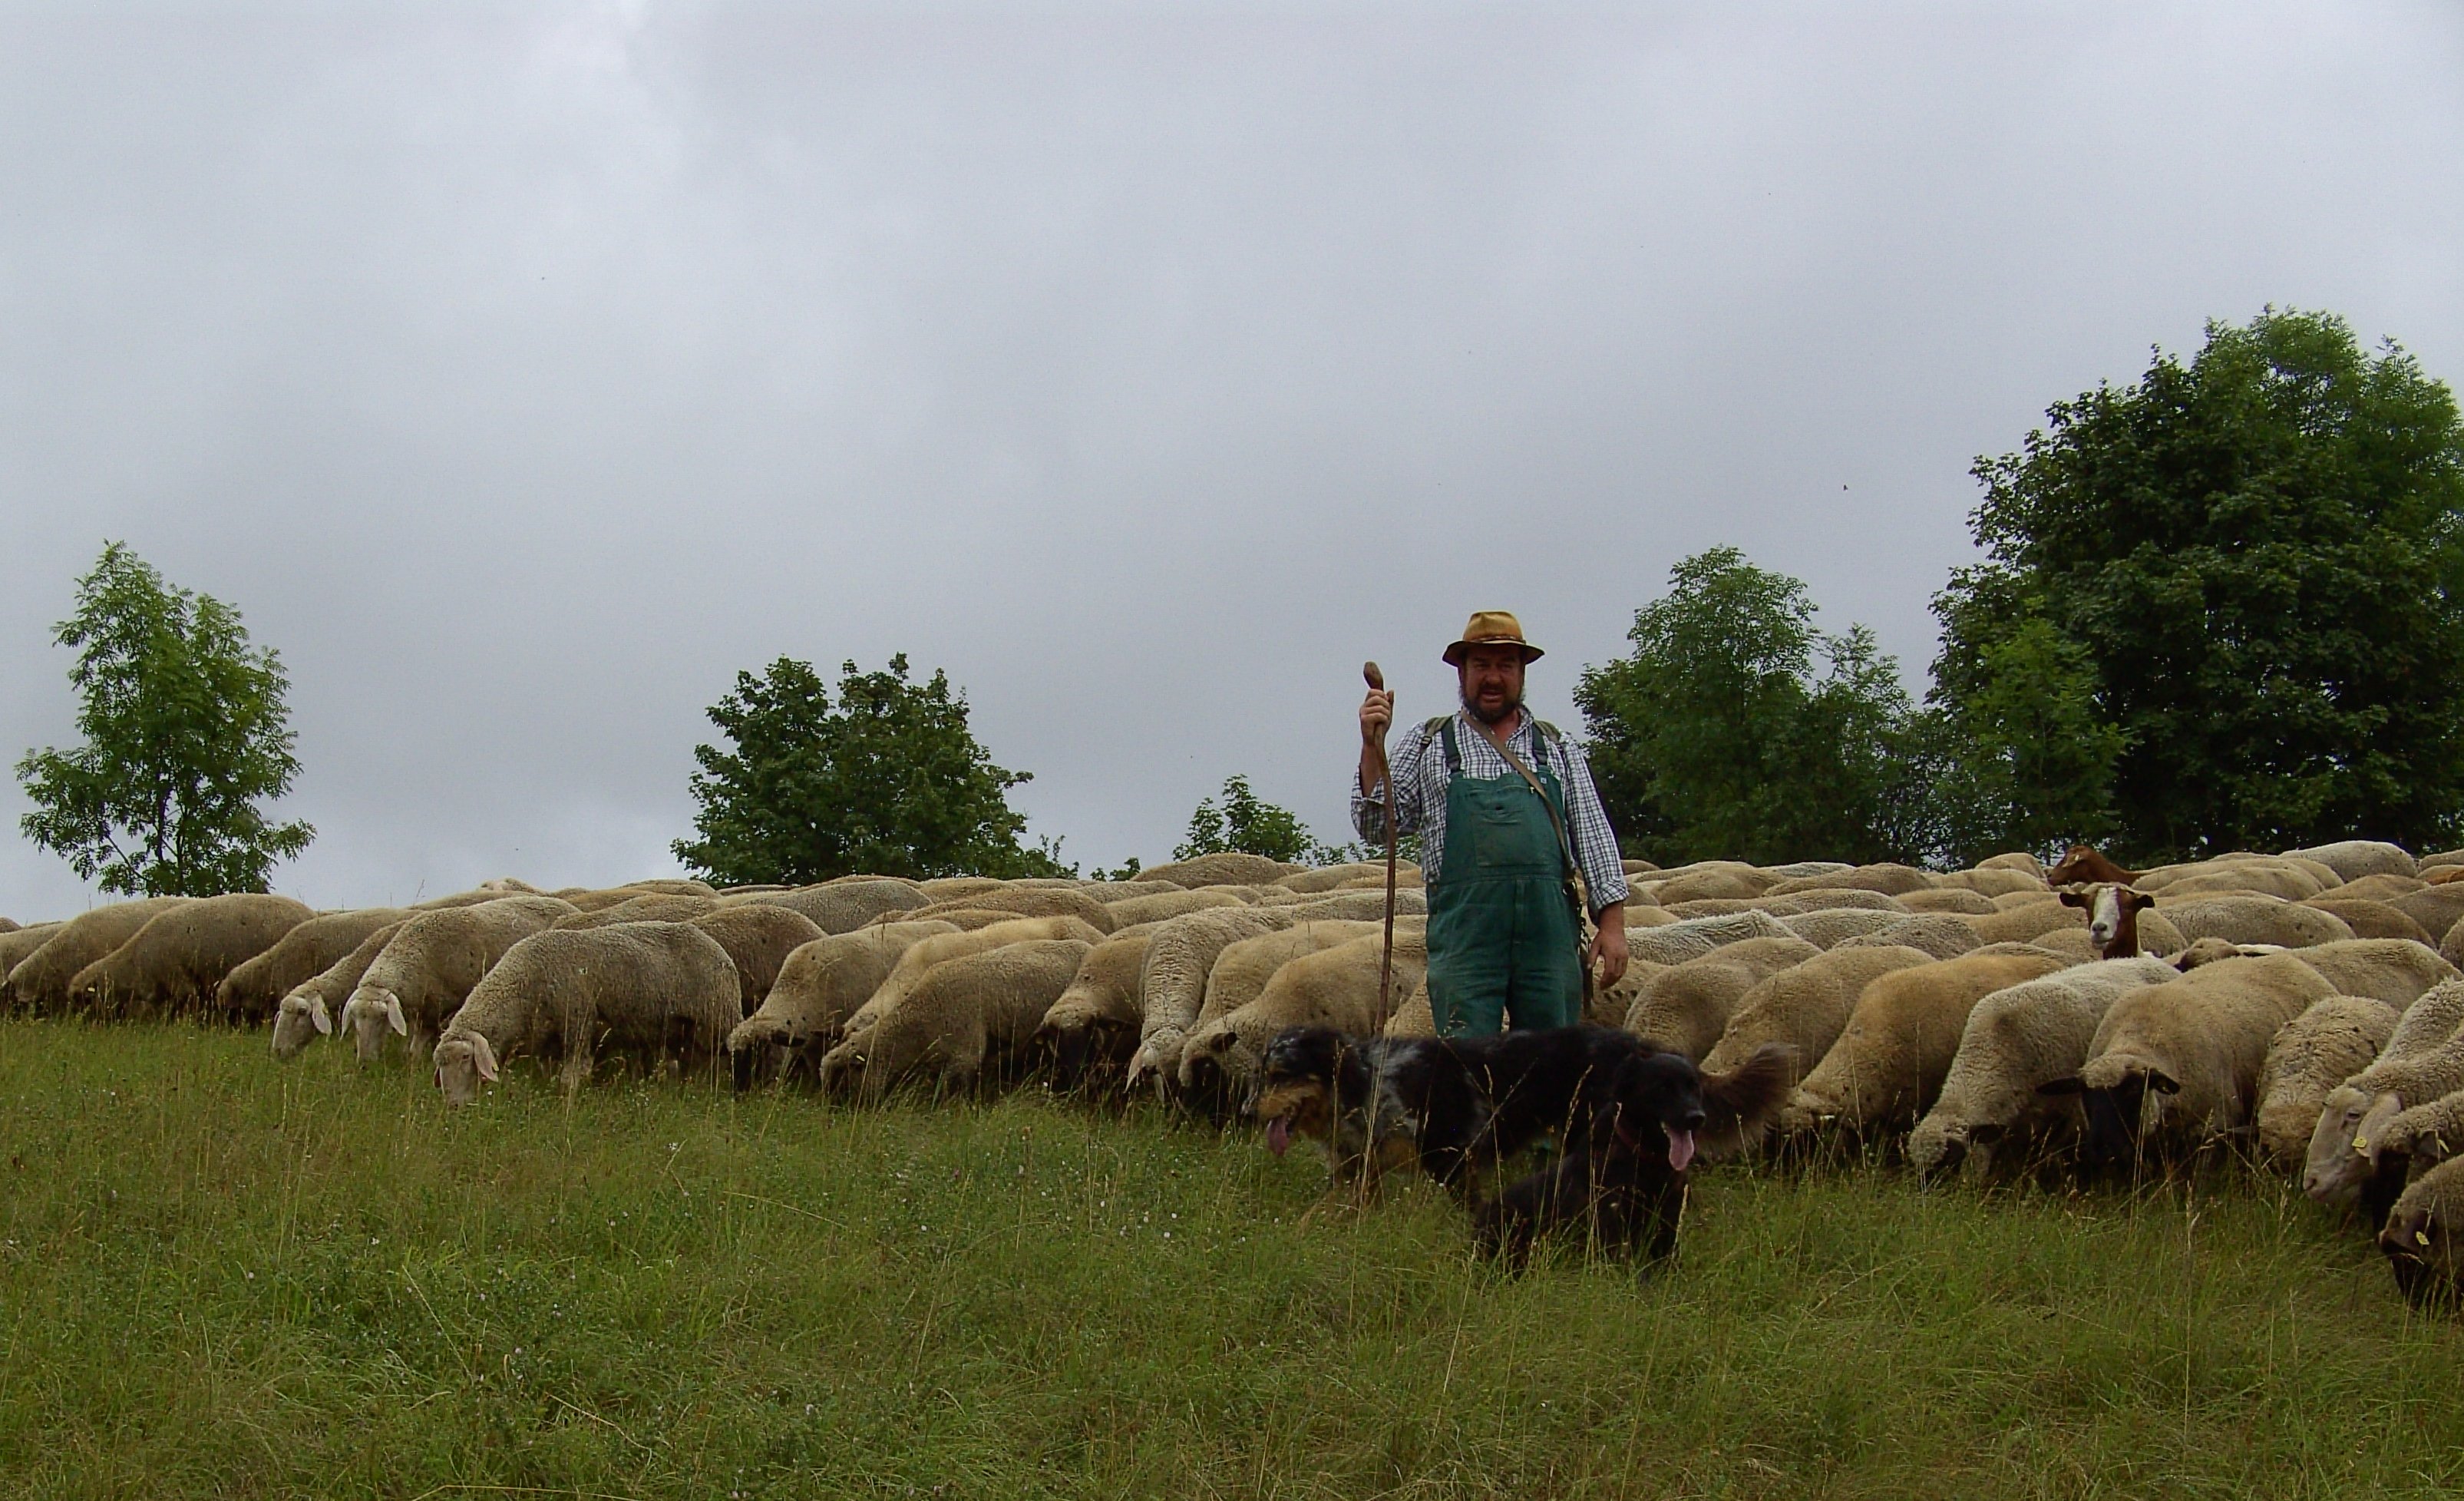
(2306, 1007)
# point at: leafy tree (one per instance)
(1249, 825)
(888, 779)
(185, 734)
(2226, 605)
(1719, 737)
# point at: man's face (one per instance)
(1492, 681)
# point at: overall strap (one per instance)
(1565, 845)
(1445, 728)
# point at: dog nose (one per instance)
(1692, 1121)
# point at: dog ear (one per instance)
(2072, 1085)
(2073, 898)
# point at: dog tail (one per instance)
(1738, 1105)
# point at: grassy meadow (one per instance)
(226, 1277)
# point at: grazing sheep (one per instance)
(431, 965)
(2379, 888)
(2310, 1055)
(1949, 898)
(2436, 908)
(1131, 911)
(1696, 937)
(40, 982)
(1227, 868)
(2021, 862)
(650, 989)
(1990, 881)
(1937, 932)
(758, 937)
(649, 907)
(1892, 1055)
(1685, 1008)
(1334, 987)
(2247, 877)
(1805, 1006)
(2027, 921)
(843, 906)
(1415, 1017)
(2352, 859)
(2423, 1060)
(2014, 1041)
(2372, 920)
(2252, 920)
(171, 965)
(18, 943)
(920, 958)
(252, 991)
(2392, 970)
(1244, 966)
(2420, 1239)
(817, 988)
(2177, 1064)
(1891, 880)
(1173, 986)
(2416, 1138)
(308, 1011)
(1828, 899)
(1027, 901)
(1351, 906)
(1713, 880)
(1326, 878)
(1087, 1035)
(1836, 925)
(965, 1015)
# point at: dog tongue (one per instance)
(1279, 1135)
(1680, 1150)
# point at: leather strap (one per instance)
(1565, 845)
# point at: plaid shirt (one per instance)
(1420, 799)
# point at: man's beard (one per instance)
(1483, 715)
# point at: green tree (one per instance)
(2226, 604)
(888, 779)
(1248, 824)
(185, 734)
(1737, 730)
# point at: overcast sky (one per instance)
(521, 374)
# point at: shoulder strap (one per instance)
(1442, 728)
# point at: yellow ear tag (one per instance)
(2361, 1146)
(2420, 1237)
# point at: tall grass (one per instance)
(223, 1276)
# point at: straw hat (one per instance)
(1490, 628)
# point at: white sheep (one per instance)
(2309, 1057)
(650, 989)
(430, 965)
(966, 1016)
(2014, 1041)
(817, 988)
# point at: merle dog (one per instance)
(1454, 1107)
(1622, 1179)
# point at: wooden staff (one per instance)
(1386, 774)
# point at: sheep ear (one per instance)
(2163, 1083)
(394, 1017)
(317, 1014)
(2073, 898)
(2069, 1086)
(484, 1055)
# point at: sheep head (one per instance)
(370, 1013)
(464, 1061)
(300, 1017)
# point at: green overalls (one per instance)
(1503, 935)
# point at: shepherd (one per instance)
(1514, 846)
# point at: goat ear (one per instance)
(484, 1055)
(317, 1014)
(2073, 898)
(2136, 901)
(2069, 1086)
(2163, 1083)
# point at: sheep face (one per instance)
(464, 1062)
(297, 1021)
(368, 1015)
(2119, 1114)
(2338, 1165)
(1083, 1057)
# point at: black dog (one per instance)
(1456, 1107)
(1623, 1177)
